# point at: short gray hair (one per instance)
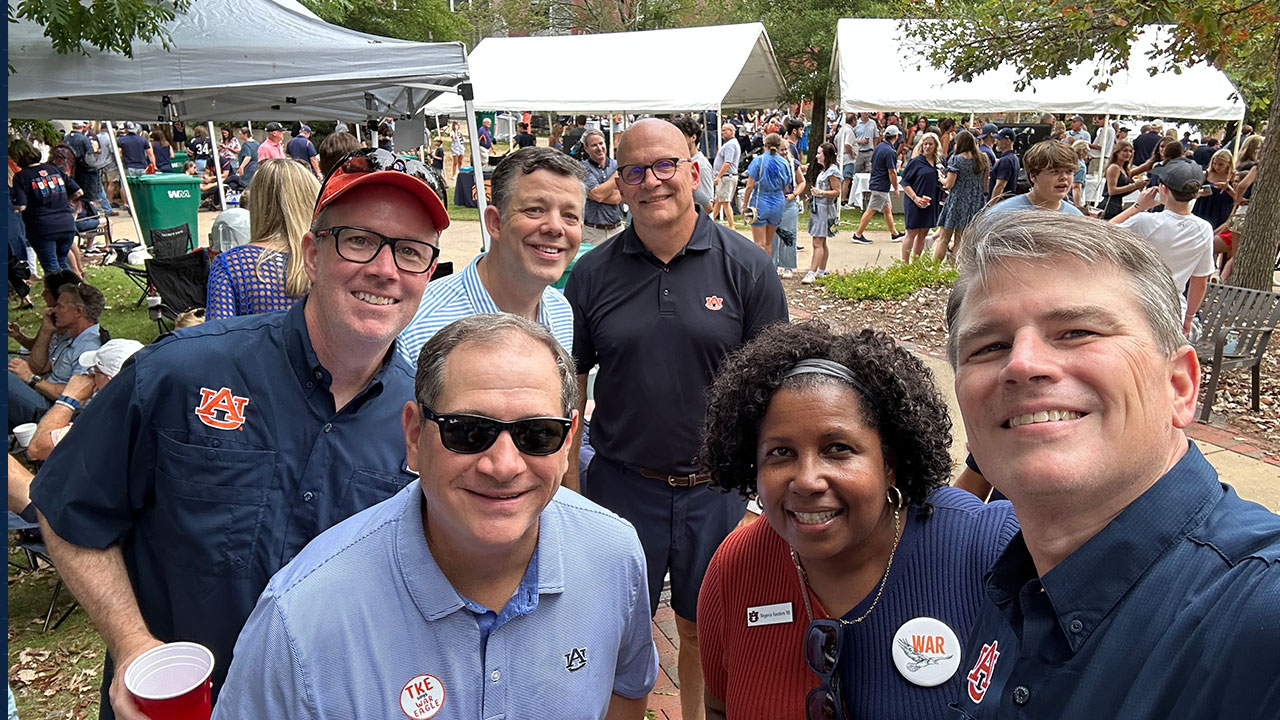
(1037, 236)
(586, 136)
(492, 329)
(525, 161)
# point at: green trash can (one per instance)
(178, 159)
(564, 278)
(168, 206)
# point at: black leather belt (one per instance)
(674, 480)
(602, 227)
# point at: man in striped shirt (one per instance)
(536, 225)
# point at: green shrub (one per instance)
(887, 283)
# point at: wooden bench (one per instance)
(1236, 327)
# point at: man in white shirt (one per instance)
(1184, 241)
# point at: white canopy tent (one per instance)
(880, 69)
(877, 68)
(653, 71)
(303, 68)
(308, 69)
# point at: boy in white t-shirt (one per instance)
(1184, 241)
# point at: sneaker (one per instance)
(808, 278)
(897, 238)
(823, 273)
(788, 273)
(859, 240)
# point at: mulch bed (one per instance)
(919, 320)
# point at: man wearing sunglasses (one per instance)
(482, 590)
(658, 307)
(216, 454)
(535, 221)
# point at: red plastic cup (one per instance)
(171, 682)
(926, 199)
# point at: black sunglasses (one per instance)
(470, 434)
(823, 644)
(377, 160)
(663, 169)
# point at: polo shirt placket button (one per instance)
(495, 676)
(1076, 626)
(1021, 695)
(308, 496)
(328, 427)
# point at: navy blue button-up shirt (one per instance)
(1171, 611)
(212, 459)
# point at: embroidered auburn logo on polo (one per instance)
(220, 409)
(983, 670)
(714, 303)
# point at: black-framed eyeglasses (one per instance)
(663, 169)
(470, 434)
(823, 645)
(361, 245)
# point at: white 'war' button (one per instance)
(926, 651)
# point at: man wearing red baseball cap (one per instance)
(218, 453)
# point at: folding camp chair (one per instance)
(36, 551)
(180, 283)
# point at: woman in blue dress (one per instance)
(267, 274)
(920, 183)
(768, 174)
(966, 179)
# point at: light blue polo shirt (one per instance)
(1023, 202)
(461, 295)
(363, 624)
(65, 352)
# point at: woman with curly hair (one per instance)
(864, 552)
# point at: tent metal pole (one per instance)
(613, 145)
(217, 167)
(357, 127)
(1239, 135)
(124, 184)
(477, 168)
(1103, 159)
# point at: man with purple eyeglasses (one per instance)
(218, 453)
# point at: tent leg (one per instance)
(124, 184)
(1239, 135)
(217, 170)
(1103, 159)
(476, 167)
(613, 144)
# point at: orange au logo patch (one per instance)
(714, 303)
(220, 409)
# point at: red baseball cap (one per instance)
(344, 177)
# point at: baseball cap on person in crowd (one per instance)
(892, 131)
(131, 126)
(1078, 117)
(988, 130)
(274, 127)
(1182, 176)
(1006, 134)
(378, 166)
(110, 357)
(304, 128)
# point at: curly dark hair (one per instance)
(906, 410)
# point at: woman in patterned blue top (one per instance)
(267, 274)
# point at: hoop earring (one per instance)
(894, 497)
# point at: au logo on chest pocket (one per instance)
(220, 409)
(575, 659)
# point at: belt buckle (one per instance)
(672, 481)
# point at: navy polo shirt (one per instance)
(1006, 168)
(133, 150)
(301, 149)
(212, 458)
(1171, 611)
(883, 161)
(659, 331)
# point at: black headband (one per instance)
(830, 368)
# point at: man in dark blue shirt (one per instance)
(1140, 587)
(135, 151)
(215, 455)
(986, 139)
(1004, 176)
(884, 176)
(1145, 144)
(658, 307)
(1204, 153)
(302, 150)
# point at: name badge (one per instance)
(774, 614)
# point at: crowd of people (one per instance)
(342, 422)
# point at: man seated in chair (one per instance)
(104, 364)
(69, 329)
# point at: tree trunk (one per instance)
(817, 135)
(1256, 251)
